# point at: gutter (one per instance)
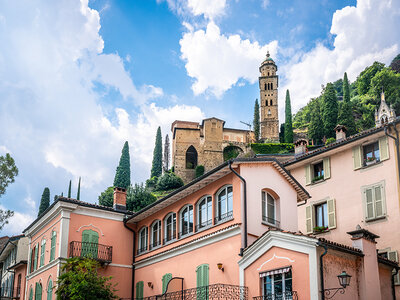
(133, 259)
(245, 206)
(321, 269)
(393, 286)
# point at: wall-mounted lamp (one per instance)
(344, 281)
(220, 266)
(150, 284)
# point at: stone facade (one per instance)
(196, 144)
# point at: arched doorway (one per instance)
(191, 158)
(231, 152)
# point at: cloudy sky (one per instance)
(79, 77)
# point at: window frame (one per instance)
(265, 209)
(373, 186)
(228, 214)
(190, 208)
(283, 279)
(376, 160)
(324, 206)
(173, 237)
(159, 242)
(42, 252)
(199, 225)
(142, 248)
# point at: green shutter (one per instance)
(53, 245)
(331, 213)
(50, 290)
(165, 279)
(383, 148)
(38, 291)
(309, 219)
(202, 282)
(90, 240)
(357, 162)
(31, 294)
(308, 174)
(35, 257)
(327, 168)
(42, 252)
(139, 290)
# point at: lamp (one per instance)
(150, 284)
(344, 279)
(220, 266)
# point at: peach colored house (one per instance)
(70, 228)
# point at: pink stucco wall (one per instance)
(21, 270)
(385, 277)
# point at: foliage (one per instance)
(168, 181)
(346, 88)
(388, 81)
(199, 170)
(44, 201)
(231, 152)
(330, 141)
(69, 189)
(317, 178)
(166, 154)
(303, 117)
(256, 120)
(288, 120)
(78, 194)
(80, 280)
(339, 85)
(122, 177)
(316, 129)
(320, 228)
(8, 172)
(152, 182)
(156, 167)
(282, 133)
(329, 110)
(106, 198)
(346, 117)
(271, 148)
(364, 79)
(138, 197)
(395, 64)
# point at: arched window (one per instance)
(90, 243)
(272, 86)
(270, 101)
(42, 252)
(50, 290)
(204, 212)
(268, 208)
(53, 245)
(38, 291)
(265, 86)
(142, 242)
(155, 234)
(225, 204)
(170, 227)
(186, 220)
(191, 158)
(266, 102)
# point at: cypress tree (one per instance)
(166, 154)
(69, 189)
(330, 110)
(282, 133)
(346, 117)
(316, 129)
(256, 121)
(346, 89)
(45, 201)
(122, 177)
(288, 119)
(78, 194)
(156, 168)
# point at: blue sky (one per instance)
(78, 78)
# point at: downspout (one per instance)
(396, 140)
(245, 206)
(393, 286)
(133, 260)
(321, 269)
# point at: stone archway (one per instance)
(191, 158)
(231, 151)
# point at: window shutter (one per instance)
(378, 197)
(36, 257)
(308, 174)
(309, 219)
(264, 205)
(392, 255)
(165, 279)
(50, 290)
(357, 163)
(139, 290)
(331, 213)
(42, 249)
(53, 245)
(369, 204)
(383, 148)
(205, 275)
(327, 168)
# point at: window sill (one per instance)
(204, 228)
(321, 232)
(375, 219)
(270, 224)
(377, 163)
(223, 221)
(317, 181)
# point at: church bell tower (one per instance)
(268, 81)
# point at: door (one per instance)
(90, 242)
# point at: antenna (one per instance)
(246, 124)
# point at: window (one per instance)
(365, 155)
(90, 243)
(277, 286)
(374, 201)
(266, 102)
(268, 208)
(53, 245)
(265, 86)
(371, 153)
(272, 86)
(393, 256)
(186, 220)
(170, 227)
(139, 289)
(38, 291)
(269, 111)
(225, 204)
(191, 158)
(155, 234)
(42, 252)
(321, 216)
(19, 285)
(50, 289)
(204, 213)
(165, 280)
(318, 171)
(35, 262)
(142, 240)
(270, 102)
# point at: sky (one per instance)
(78, 78)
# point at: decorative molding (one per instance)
(272, 258)
(91, 225)
(120, 266)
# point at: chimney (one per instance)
(364, 240)
(300, 147)
(340, 132)
(119, 199)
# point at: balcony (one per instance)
(288, 295)
(208, 292)
(101, 253)
(10, 293)
(271, 222)
(224, 217)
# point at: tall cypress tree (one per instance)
(316, 128)
(288, 119)
(330, 110)
(156, 168)
(346, 88)
(166, 154)
(78, 194)
(256, 121)
(69, 189)
(122, 177)
(45, 201)
(346, 117)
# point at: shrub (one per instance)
(199, 170)
(168, 181)
(272, 148)
(152, 182)
(138, 197)
(330, 141)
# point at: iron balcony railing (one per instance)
(185, 232)
(169, 238)
(155, 244)
(208, 292)
(141, 250)
(271, 221)
(96, 251)
(224, 217)
(288, 295)
(203, 225)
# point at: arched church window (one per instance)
(191, 158)
(265, 86)
(270, 102)
(272, 87)
(266, 102)
(269, 112)
(268, 73)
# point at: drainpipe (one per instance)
(393, 286)
(321, 269)
(133, 260)
(245, 206)
(396, 140)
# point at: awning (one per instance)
(276, 271)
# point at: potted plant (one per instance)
(317, 178)
(370, 160)
(319, 229)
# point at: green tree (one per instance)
(168, 181)
(364, 79)
(156, 167)
(80, 280)
(122, 177)
(282, 133)
(44, 201)
(8, 172)
(346, 88)
(389, 81)
(199, 170)
(166, 154)
(315, 129)
(329, 110)
(346, 117)
(395, 64)
(288, 119)
(78, 194)
(138, 197)
(256, 121)
(69, 189)
(338, 85)
(106, 198)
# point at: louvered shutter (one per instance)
(35, 262)
(383, 148)
(263, 206)
(378, 197)
(308, 174)
(139, 290)
(31, 294)
(53, 245)
(331, 213)
(309, 219)
(327, 168)
(42, 251)
(369, 203)
(165, 279)
(50, 290)
(392, 255)
(357, 162)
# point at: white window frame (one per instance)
(273, 287)
(143, 248)
(364, 201)
(218, 218)
(207, 199)
(362, 152)
(171, 214)
(264, 197)
(152, 246)
(316, 213)
(188, 207)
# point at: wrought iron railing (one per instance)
(224, 217)
(155, 244)
(208, 292)
(141, 250)
(185, 232)
(203, 225)
(169, 238)
(288, 295)
(96, 251)
(271, 221)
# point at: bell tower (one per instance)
(268, 81)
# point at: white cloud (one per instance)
(265, 3)
(18, 222)
(363, 34)
(217, 62)
(209, 8)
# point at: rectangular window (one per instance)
(391, 255)
(374, 201)
(321, 215)
(371, 153)
(278, 286)
(318, 171)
